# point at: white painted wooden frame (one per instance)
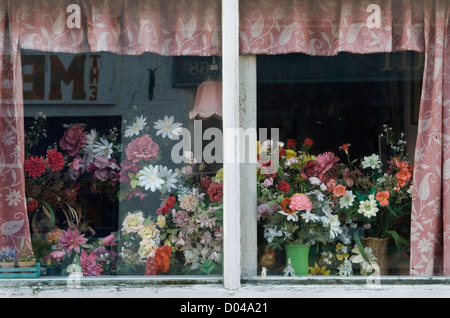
(231, 167)
(239, 117)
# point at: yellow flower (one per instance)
(341, 252)
(290, 153)
(316, 270)
(219, 175)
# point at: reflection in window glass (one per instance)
(340, 201)
(113, 182)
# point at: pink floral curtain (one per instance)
(327, 27)
(14, 227)
(430, 219)
(193, 27)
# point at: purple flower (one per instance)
(71, 240)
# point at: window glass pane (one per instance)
(347, 126)
(123, 145)
(110, 164)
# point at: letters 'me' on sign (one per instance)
(69, 78)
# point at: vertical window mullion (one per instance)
(232, 180)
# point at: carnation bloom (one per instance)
(73, 140)
(71, 240)
(35, 166)
(88, 264)
(300, 202)
(142, 148)
(383, 197)
(55, 159)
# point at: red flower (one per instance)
(73, 140)
(160, 263)
(291, 143)
(142, 148)
(170, 202)
(215, 192)
(284, 186)
(55, 159)
(308, 142)
(35, 166)
(32, 205)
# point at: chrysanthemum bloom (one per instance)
(300, 202)
(71, 240)
(55, 159)
(35, 166)
(88, 264)
(189, 202)
(73, 140)
(54, 235)
(382, 197)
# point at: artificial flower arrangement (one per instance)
(7, 256)
(323, 201)
(95, 256)
(186, 235)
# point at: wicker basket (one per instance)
(379, 248)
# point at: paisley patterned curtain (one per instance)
(430, 228)
(14, 228)
(192, 27)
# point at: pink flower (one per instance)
(324, 163)
(73, 140)
(142, 148)
(88, 264)
(109, 240)
(57, 255)
(300, 202)
(71, 240)
(339, 190)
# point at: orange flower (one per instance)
(383, 197)
(285, 205)
(345, 148)
(339, 190)
(404, 174)
(161, 262)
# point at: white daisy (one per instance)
(91, 137)
(346, 201)
(290, 216)
(103, 147)
(167, 128)
(150, 179)
(369, 207)
(137, 126)
(169, 178)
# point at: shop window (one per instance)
(117, 179)
(347, 129)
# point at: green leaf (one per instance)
(207, 267)
(361, 247)
(148, 220)
(50, 214)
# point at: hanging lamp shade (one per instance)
(208, 100)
